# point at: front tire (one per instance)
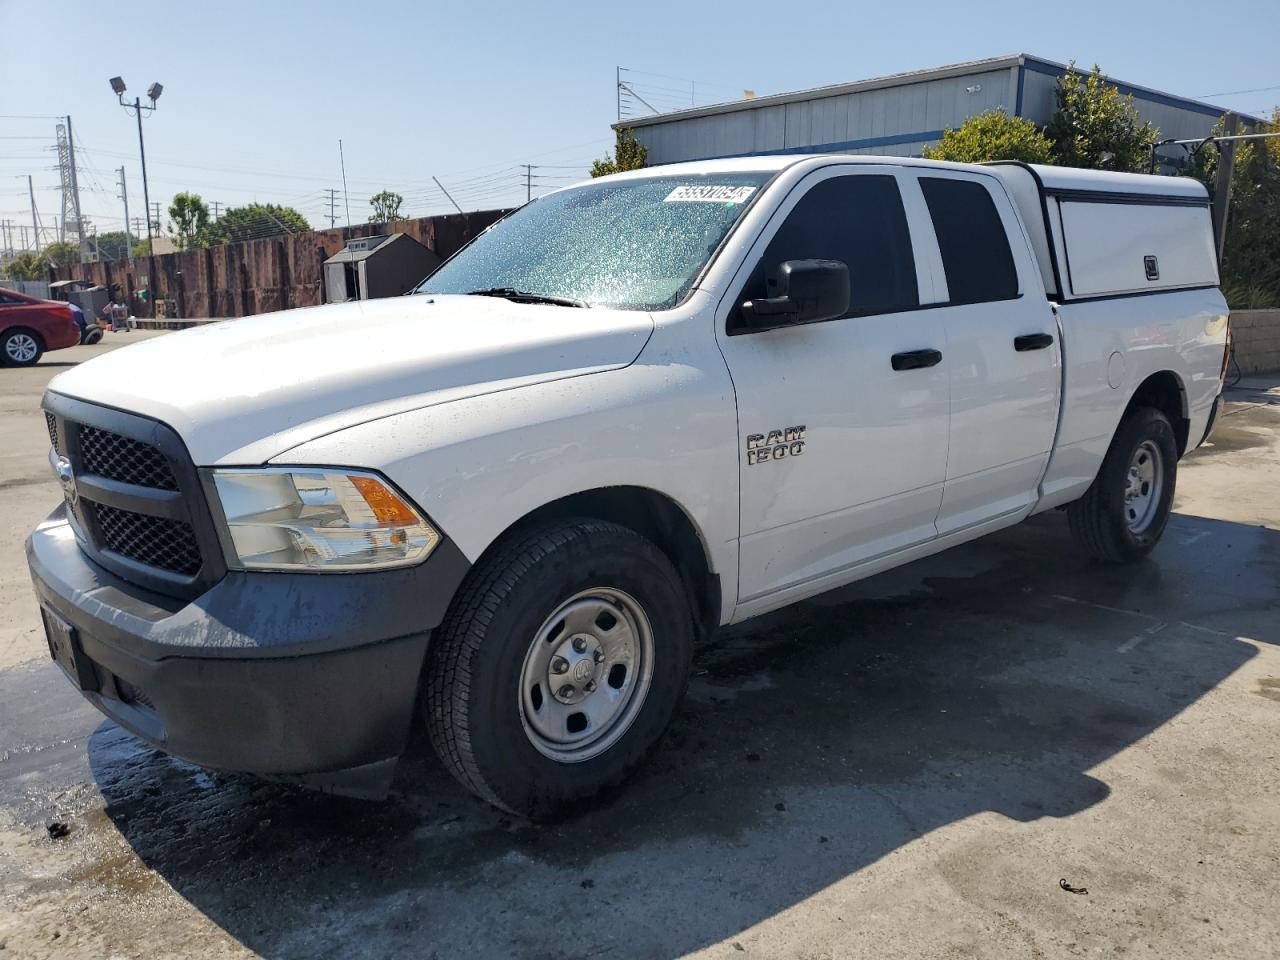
(21, 347)
(559, 665)
(1124, 512)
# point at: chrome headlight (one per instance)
(305, 518)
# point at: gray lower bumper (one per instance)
(307, 677)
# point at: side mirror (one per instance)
(808, 291)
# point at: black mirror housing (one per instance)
(808, 291)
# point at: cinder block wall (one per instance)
(1257, 340)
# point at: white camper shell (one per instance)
(1103, 234)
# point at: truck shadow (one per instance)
(814, 742)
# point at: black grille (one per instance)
(53, 429)
(156, 541)
(122, 458)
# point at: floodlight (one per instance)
(117, 85)
(154, 92)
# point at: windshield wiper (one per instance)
(525, 296)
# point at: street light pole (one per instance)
(142, 152)
(153, 94)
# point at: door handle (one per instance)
(916, 359)
(1032, 341)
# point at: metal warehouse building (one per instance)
(896, 115)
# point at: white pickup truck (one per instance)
(633, 411)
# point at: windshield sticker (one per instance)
(709, 194)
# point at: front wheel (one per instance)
(559, 665)
(20, 348)
(1124, 512)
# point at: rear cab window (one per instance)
(976, 256)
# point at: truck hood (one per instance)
(243, 391)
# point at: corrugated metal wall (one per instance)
(890, 121)
(895, 120)
(1172, 119)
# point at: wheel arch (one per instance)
(1165, 392)
(653, 515)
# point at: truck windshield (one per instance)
(629, 244)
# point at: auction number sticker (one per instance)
(709, 194)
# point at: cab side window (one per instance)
(860, 221)
(975, 249)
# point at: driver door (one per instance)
(843, 424)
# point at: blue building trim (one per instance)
(1049, 70)
(1022, 82)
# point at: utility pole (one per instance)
(333, 206)
(155, 209)
(124, 196)
(35, 221)
(215, 204)
(1222, 185)
(528, 181)
(346, 199)
(446, 193)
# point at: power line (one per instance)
(1232, 93)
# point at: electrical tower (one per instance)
(72, 228)
(124, 196)
(333, 206)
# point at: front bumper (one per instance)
(310, 677)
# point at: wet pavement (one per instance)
(906, 767)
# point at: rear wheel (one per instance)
(20, 347)
(560, 664)
(1123, 514)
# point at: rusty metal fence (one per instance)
(258, 276)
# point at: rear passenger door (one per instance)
(842, 456)
(1001, 346)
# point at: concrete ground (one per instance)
(904, 768)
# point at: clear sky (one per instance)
(257, 94)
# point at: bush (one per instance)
(1096, 127)
(993, 135)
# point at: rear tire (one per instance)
(559, 665)
(21, 347)
(1124, 512)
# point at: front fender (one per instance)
(479, 465)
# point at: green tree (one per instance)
(628, 154)
(142, 248)
(253, 221)
(993, 135)
(26, 266)
(1251, 252)
(115, 244)
(386, 207)
(61, 254)
(1096, 127)
(189, 217)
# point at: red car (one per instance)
(30, 326)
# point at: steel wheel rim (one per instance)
(586, 675)
(21, 348)
(1144, 485)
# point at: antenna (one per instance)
(345, 199)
